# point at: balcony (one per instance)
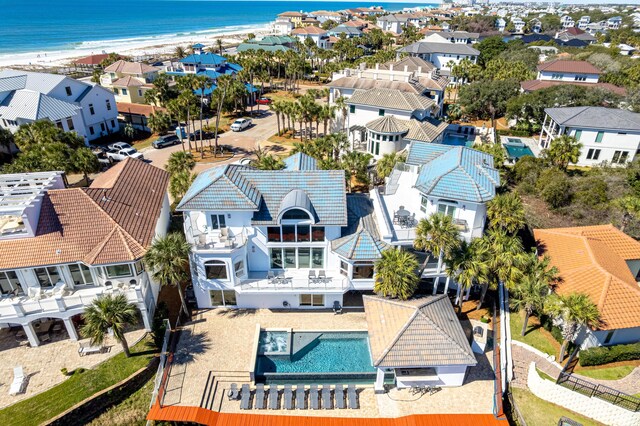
(217, 240)
(294, 280)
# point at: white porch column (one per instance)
(379, 385)
(446, 285)
(145, 318)
(466, 297)
(71, 329)
(436, 281)
(31, 335)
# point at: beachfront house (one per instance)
(315, 34)
(441, 52)
(270, 43)
(295, 18)
(63, 247)
(74, 106)
(129, 80)
(392, 23)
(604, 263)
(458, 37)
(324, 15)
(607, 134)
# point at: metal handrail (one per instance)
(603, 392)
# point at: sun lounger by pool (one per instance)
(339, 395)
(300, 397)
(233, 392)
(327, 404)
(352, 396)
(245, 397)
(273, 397)
(19, 380)
(314, 397)
(288, 397)
(259, 398)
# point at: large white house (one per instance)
(441, 52)
(63, 247)
(606, 134)
(73, 105)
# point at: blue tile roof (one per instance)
(360, 239)
(454, 172)
(204, 59)
(234, 187)
(300, 161)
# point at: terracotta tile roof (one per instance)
(127, 82)
(578, 67)
(592, 260)
(533, 85)
(75, 225)
(308, 30)
(91, 59)
(126, 67)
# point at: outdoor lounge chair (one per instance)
(352, 396)
(337, 309)
(233, 393)
(322, 276)
(245, 396)
(258, 402)
(327, 404)
(288, 397)
(300, 397)
(339, 396)
(19, 380)
(86, 348)
(314, 397)
(273, 397)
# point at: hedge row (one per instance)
(605, 354)
(513, 132)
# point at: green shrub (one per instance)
(158, 326)
(607, 354)
(513, 132)
(554, 187)
(547, 324)
(527, 169)
(592, 191)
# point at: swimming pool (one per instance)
(517, 149)
(319, 355)
(456, 140)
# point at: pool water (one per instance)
(517, 149)
(273, 342)
(332, 352)
(455, 140)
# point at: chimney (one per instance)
(406, 68)
(377, 66)
(419, 70)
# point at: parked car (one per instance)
(195, 136)
(166, 140)
(240, 124)
(119, 145)
(104, 161)
(121, 154)
(264, 101)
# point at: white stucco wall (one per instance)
(548, 75)
(612, 141)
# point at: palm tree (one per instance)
(109, 313)
(385, 165)
(219, 44)
(276, 107)
(85, 161)
(202, 82)
(179, 184)
(575, 310)
(630, 206)
(396, 274)
(563, 150)
(180, 52)
(159, 122)
(266, 161)
(168, 258)
(437, 234)
(6, 140)
(466, 266)
(506, 211)
(341, 103)
(327, 114)
(356, 165)
(180, 161)
(530, 295)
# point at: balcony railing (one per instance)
(216, 240)
(337, 282)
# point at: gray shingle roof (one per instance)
(388, 124)
(411, 62)
(425, 131)
(369, 83)
(421, 332)
(595, 118)
(300, 161)
(421, 47)
(392, 99)
(30, 105)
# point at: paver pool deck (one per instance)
(221, 342)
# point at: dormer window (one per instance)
(295, 214)
(68, 90)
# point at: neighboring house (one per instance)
(574, 35)
(606, 134)
(535, 25)
(316, 34)
(518, 24)
(419, 340)
(501, 24)
(268, 44)
(595, 28)
(567, 22)
(247, 228)
(85, 108)
(440, 51)
(392, 23)
(294, 17)
(282, 26)
(603, 263)
(137, 114)
(91, 61)
(614, 23)
(325, 15)
(458, 37)
(63, 247)
(347, 30)
(129, 80)
(583, 22)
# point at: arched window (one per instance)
(295, 214)
(216, 270)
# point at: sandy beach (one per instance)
(152, 46)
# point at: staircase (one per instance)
(392, 185)
(217, 384)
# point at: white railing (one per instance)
(216, 241)
(334, 283)
(161, 365)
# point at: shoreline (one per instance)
(136, 47)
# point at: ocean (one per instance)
(67, 25)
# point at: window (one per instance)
(124, 92)
(423, 204)
(304, 257)
(275, 254)
(108, 105)
(599, 136)
(381, 112)
(91, 130)
(139, 92)
(362, 271)
(81, 274)
(593, 154)
(215, 270)
(116, 91)
(119, 271)
(609, 337)
(578, 134)
(70, 124)
(317, 233)
(229, 297)
(91, 110)
(295, 214)
(238, 267)
(273, 234)
(288, 233)
(217, 221)
(217, 299)
(47, 277)
(290, 257)
(9, 282)
(68, 90)
(317, 257)
(113, 124)
(620, 157)
(384, 138)
(447, 209)
(352, 109)
(304, 233)
(59, 125)
(102, 127)
(312, 300)
(344, 268)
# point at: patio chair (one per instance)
(259, 398)
(85, 348)
(337, 309)
(59, 288)
(271, 276)
(314, 397)
(352, 396)
(245, 396)
(338, 394)
(300, 397)
(233, 393)
(288, 397)
(322, 276)
(312, 274)
(34, 293)
(327, 404)
(273, 397)
(19, 381)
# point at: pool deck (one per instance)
(221, 343)
(530, 142)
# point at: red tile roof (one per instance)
(91, 59)
(578, 67)
(533, 85)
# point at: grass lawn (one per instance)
(76, 388)
(535, 336)
(605, 373)
(539, 412)
(144, 143)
